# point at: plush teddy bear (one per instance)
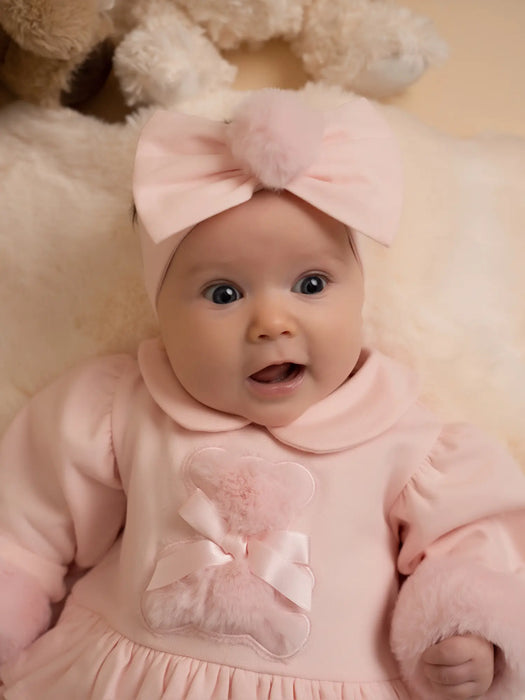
(54, 52)
(170, 48)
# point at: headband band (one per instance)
(344, 162)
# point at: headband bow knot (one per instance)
(344, 162)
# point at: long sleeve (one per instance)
(61, 499)
(461, 525)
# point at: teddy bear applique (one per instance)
(244, 576)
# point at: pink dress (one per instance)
(227, 560)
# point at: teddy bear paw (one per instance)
(281, 634)
(164, 61)
(388, 76)
(376, 49)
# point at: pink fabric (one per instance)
(344, 162)
(79, 511)
(25, 611)
(117, 436)
(111, 666)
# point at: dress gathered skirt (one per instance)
(84, 659)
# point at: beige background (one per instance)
(481, 87)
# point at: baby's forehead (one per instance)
(267, 210)
(284, 234)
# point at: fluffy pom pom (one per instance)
(275, 137)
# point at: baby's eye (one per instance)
(222, 293)
(310, 284)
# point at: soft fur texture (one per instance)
(271, 493)
(205, 602)
(429, 609)
(69, 259)
(48, 42)
(168, 58)
(374, 47)
(447, 297)
(26, 614)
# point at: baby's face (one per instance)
(260, 310)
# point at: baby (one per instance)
(265, 509)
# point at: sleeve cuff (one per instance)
(450, 596)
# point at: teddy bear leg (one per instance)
(373, 48)
(279, 632)
(58, 30)
(52, 82)
(167, 59)
(33, 78)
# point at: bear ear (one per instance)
(275, 136)
(205, 467)
(298, 481)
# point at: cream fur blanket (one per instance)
(448, 298)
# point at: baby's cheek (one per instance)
(344, 350)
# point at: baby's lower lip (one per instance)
(277, 387)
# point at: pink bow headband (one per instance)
(345, 162)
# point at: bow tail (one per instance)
(186, 559)
(289, 578)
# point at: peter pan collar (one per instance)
(366, 405)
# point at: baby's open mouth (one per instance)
(273, 374)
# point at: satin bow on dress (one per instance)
(274, 557)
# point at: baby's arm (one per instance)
(461, 521)
(61, 498)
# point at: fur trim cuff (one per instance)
(451, 596)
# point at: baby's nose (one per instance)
(270, 320)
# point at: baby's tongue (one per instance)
(272, 373)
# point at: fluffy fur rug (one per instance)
(448, 298)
